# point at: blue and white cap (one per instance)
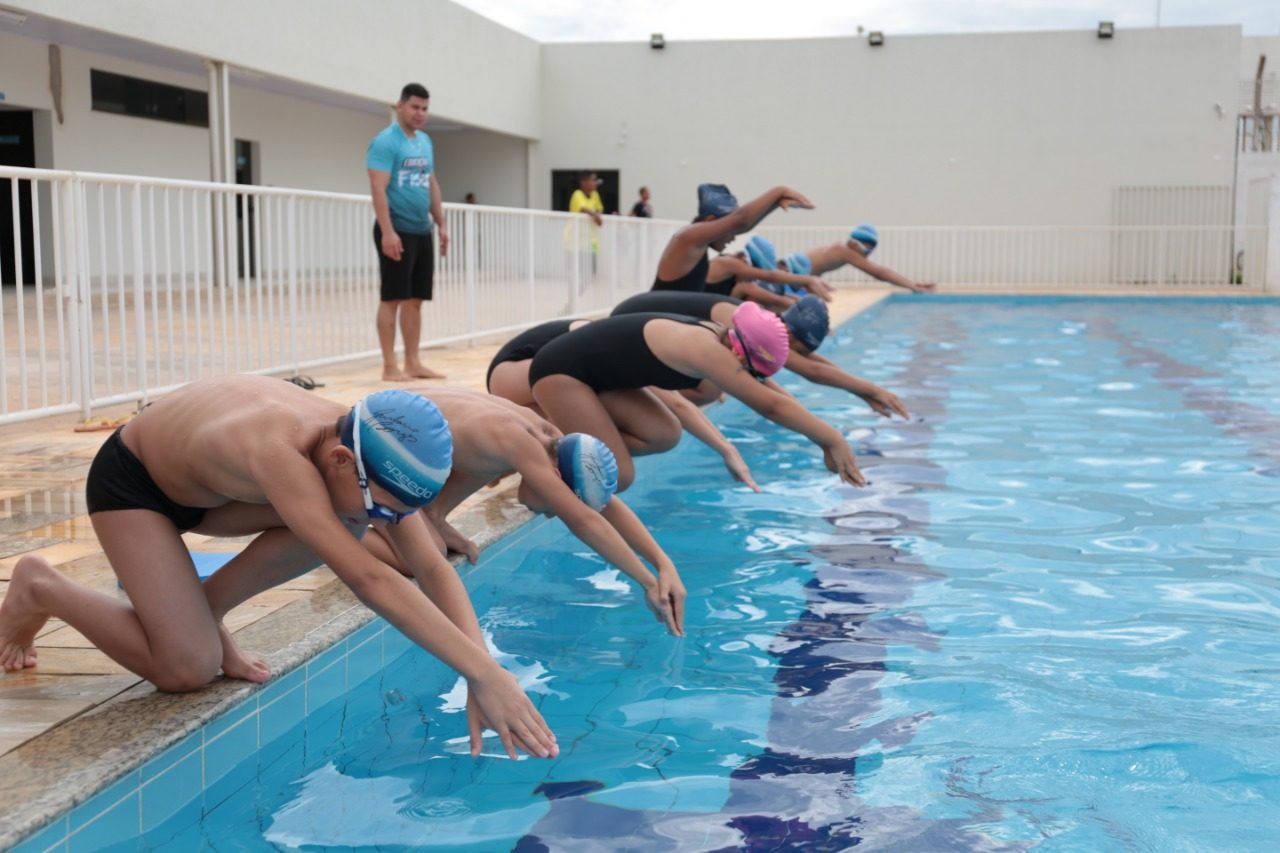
(405, 444)
(762, 253)
(798, 263)
(588, 467)
(867, 235)
(808, 321)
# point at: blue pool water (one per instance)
(1051, 621)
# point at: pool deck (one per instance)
(78, 721)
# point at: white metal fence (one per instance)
(979, 257)
(137, 285)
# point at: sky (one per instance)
(620, 20)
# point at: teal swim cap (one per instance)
(762, 253)
(588, 467)
(798, 263)
(808, 321)
(405, 444)
(867, 235)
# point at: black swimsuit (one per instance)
(118, 480)
(723, 287)
(694, 280)
(526, 344)
(612, 355)
(697, 305)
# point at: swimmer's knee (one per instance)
(187, 676)
(626, 475)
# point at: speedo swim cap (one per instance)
(589, 467)
(798, 263)
(715, 200)
(405, 444)
(808, 320)
(760, 337)
(867, 235)
(762, 253)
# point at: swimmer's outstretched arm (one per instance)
(714, 362)
(700, 427)
(854, 257)
(293, 486)
(689, 243)
(634, 532)
(819, 370)
(755, 293)
(593, 529)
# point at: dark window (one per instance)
(130, 96)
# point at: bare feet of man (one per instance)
(421, 371)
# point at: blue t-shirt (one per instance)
(409, 162)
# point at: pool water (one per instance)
(1051, 621)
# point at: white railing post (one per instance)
(469, 261)
(291, 236)
(613, 261)
(532, 272)
(84, 295)
(139, 296)
(575, 255)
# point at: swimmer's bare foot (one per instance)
(238, 664)
(395, 374)
(20, 617)
(421, 371)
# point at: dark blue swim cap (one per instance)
(715, 200)
(808, 321)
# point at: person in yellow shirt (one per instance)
(586, 200)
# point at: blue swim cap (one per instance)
(589, 467)
(798, 263)
(405, 444)
(867, 235)
(808, 321)
(715, 200)
(762, 253)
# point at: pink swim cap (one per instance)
(761, 337)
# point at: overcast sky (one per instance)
(603, 20)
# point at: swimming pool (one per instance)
(1050, 621)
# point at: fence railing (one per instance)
(975, 257)
(137, 285)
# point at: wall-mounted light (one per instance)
(1106, 29)
(12, 18)
(875, 38)
(657, 42)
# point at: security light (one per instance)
(657, 42)
(1106, 29)
(875, 38)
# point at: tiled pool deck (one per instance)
(79, 723)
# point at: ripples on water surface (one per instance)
(1050, 622)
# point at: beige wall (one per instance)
(490, 165)
(479, 72)
(962, 129)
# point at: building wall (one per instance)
(957, 129)
(492, 166)
(479, 72)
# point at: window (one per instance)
(130, 96)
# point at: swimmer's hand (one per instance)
(819, 288)
(455, 541)
(839, 459)
(495, 701)
(923, 286)
(884, 402)
(738, 468)
(671, 593)
(791, 198)
(392, 247)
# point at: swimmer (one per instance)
(242, 455)
(856, 252)
(743, 274)
(595, 380)
(508, 378)
(684, 262)
(570, 476)
(808, 323)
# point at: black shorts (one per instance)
(118, 480)
(411, 277)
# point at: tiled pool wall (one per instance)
(203, 768)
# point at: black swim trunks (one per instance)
(118, 480)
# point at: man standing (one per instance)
(642, 207)
(402, 178)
